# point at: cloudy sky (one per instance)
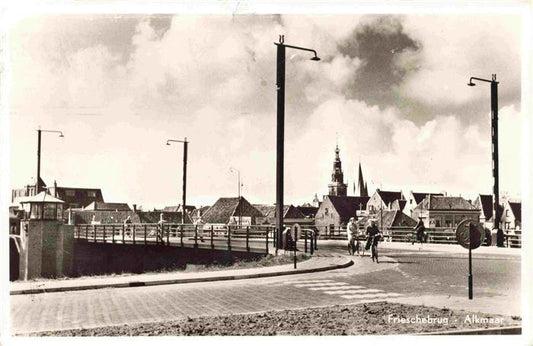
(390, 89)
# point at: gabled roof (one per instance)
(484, 203)
(419, 196)
(389, 196)
(346, 206)
(398, 204)
(108, 206)
(176, 208)
(516, 208)
(391, 218)
(225, 208)
(289, 211)
(308, 211)
(154, 217)
(445, 203)
(103, 216)
(41, 197)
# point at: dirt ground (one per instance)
(362, 319)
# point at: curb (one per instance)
(180, 281)
(512, 330)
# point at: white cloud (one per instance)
(454, 48)
(212, 79)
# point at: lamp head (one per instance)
(315, 58)
(471, 84)
(168, 143)
(61, 135)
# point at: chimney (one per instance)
(134, 208)
(55, 188)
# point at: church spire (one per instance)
(337, 186)
(361, 183)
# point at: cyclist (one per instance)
(351, 234)
(419, 233)
(373, 236)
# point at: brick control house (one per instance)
(335, 211)
(445, 211)
(230, 211)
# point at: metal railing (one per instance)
(244, 238)
(257, 238)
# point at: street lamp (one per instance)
(280, 83)
(39, 131)
(185, 143)
(494, 138)
(239, 192)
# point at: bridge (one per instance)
(253, 239)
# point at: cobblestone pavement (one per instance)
(417, 278)
(103, 307)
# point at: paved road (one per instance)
(406, 276)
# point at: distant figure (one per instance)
(160, 227)
(127, 226)
(419, 232)
(373, 237)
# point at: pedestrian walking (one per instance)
(127, 225)
(351, 234)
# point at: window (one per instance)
(70, 193)
(91, 193)
(507, 225)
(50, 211)
(326, 211)
(507, 213)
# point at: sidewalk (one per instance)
(314, 264)
(446, 248)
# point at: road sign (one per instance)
(463, 234)
(296, 230)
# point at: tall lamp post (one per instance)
(494, 139)
(39, 131)
(185, 143)
(280, 83)
(239, 192)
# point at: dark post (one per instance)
(229, 238)
(212, 244)
(184, 179)
(133, 234)
(195, 235)
(38, 185)
(181, 235)
(123, 231)
(104, 235)
(247, 236)
(145, 234)
(494, 137)
(113, 235)
(305, 241)
(280, 83)
(266, 238)
(168, 234)
(294, 246)
(94, 233)
(470, 278)
(87, 233)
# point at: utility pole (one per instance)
(494, 141)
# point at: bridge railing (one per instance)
(247, 238)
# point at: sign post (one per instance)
(470, 234)
(295, 232)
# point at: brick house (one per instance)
(444, 211)
(414, 199)
(291, 215)
(383, 200)
(336, 211)
(512, 217)
(231, 211)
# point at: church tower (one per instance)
(361, 184)
(337, 186)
